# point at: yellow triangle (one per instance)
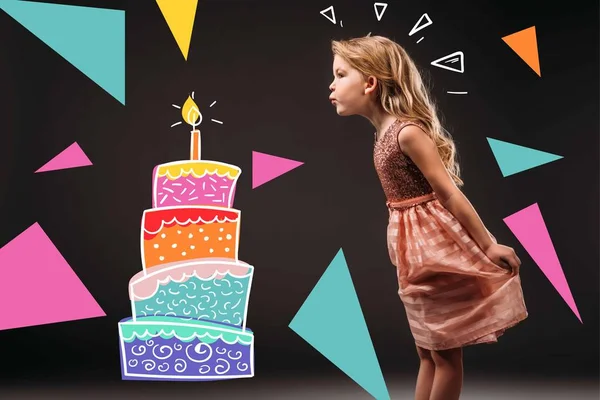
(180, 16)
(524, 43)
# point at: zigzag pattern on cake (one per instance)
(178, 273)
(150, 229)
(190, 300)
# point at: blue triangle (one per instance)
(92, 39)
(331, 320)
(513, 158)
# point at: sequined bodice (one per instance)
(400, 178)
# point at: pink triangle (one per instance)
(39, 286)
(71, 157)
(529, 228)
(266, 167)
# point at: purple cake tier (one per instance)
(167, 348)
(202, 183)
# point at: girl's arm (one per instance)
(421, 149)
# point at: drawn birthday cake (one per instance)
(190, 300)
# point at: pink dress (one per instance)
(453, 294)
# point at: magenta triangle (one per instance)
(40, 287)
(529, 228)
(71, 157)
(266, 167)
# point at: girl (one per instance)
(458, 285)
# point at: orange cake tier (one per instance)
(186, 233)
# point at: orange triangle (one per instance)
(524, 43)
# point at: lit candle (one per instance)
(191, 115)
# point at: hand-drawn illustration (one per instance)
(91, 39)
(331, 318)
(444, 62)
(529, 228)
(50, 291)
(379, 9)
(418, 26)
(330, 17)
(180, 16)
(524, 43)
(329, 12)
(189, 303)
(71, 157)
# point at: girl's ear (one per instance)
(371, 85)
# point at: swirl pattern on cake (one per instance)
(165, 348)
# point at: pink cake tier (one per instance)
(174, 234)
(190, 182)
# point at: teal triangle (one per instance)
(513, 158)
(92, 39)
(331, 320)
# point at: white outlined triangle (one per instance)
(380, 14)
(324, 12)
(451, 58)
(417, 28)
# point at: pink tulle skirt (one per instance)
(454, 295)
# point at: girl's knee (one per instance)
(424, 354)
(450, 357)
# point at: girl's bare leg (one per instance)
(426, 374)
(448, 380)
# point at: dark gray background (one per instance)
(268, 66)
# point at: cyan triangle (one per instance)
(331, 320)
(513, 158)
(92, 39)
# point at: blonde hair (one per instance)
(402, 91)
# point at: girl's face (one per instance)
(348, 93)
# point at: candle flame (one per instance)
(191, 113)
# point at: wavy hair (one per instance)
(402, 91)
